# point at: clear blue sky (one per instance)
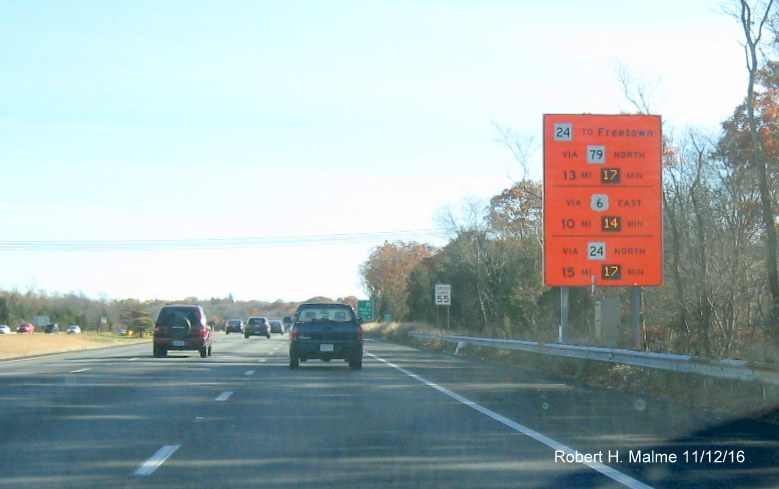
(185, 120)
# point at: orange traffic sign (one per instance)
(603, 219)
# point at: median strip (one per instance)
(609, 472)
(159, 458)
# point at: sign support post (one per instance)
(565, 316)
(635, 314)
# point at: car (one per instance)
(234, 326)
(256, 326)
(182, 327)
(326, 331)
(52, 328)
(276, 326)
(4, 329)
(26, 328)
(74, 329)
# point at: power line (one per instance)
(218, 243)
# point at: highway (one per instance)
(410, 418)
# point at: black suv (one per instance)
(182, 327)
(258, 326)
(52, 328)
(325, 331)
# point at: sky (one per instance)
(262, 149)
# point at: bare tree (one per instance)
(635, 89)
(753, 18)
(522, 147)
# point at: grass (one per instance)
(22, 345)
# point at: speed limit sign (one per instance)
(443, 294)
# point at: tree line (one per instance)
(112, 315)
(721, 292)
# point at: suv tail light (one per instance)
(294, 333)
(359, 333)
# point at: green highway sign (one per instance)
(365, 310)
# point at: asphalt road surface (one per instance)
(121, 418)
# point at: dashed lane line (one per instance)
(156, 460)
(224, 396)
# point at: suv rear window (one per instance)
(336, 314)
(168, 314)
(257, 321)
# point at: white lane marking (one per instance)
(263, 360)
(224, 396)
(133, 359)
(79, 370)
(249, 372)
(609, 472)
(159, 458)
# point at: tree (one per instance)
(135, 316)
(748, 146)
(517, 212)
(385, 275)
(753, 20)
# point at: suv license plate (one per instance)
(177, 343)
(326, 347)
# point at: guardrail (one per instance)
(726, 369)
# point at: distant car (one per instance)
(74, 329)
(256, 326)
(52, 328)
(26, 328)
(122, 332)
(182, 327)
(276, 326)
(4, 329)
(234, 326)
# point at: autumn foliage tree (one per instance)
(758, 162)
(385, 275)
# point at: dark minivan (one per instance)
(325, 331)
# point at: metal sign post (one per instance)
(565, 316)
